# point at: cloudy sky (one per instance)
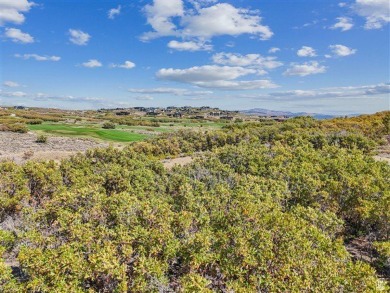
(298, 55)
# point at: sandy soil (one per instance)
(170, 163)
(384, 152)
(20, 147)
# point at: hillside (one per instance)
(269, 113)
(293, 206)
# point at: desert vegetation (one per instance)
(263, 207)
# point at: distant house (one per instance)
(122, 113)
(152, 113)
(176, 115)
(20, 108)
(227, 117)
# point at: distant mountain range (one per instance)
(268, 113)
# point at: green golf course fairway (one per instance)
(104, 134)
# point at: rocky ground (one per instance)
(20, 147)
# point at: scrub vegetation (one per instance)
(263, 207)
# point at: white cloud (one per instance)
(93, 63)
(203, 73)
(9, 83)
(38, 57)
(204, 22)
(172, 91)
(215, 77)
(12, 11)
(273, 50)
(13, 94)
(69, 98)
(224, 19)
(79, 37)
(198, 4)
(306, 51)
(159, 16)
(145, 98)
(112, 13)
(376, 12)
(237, 85)
(330, 93)
(341, 50)
(255, 61)
(189, 46)
(343, 23)
(17, 36)
(307, 68)
(126, 65)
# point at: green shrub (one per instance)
(41, 139)
(108, 125)
(34, 121)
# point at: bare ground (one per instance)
(170, 163)
(20, 147)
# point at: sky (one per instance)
(329, 57)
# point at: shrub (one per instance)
(41, 139)
(108, 125)
(34, 121)
(17, 127)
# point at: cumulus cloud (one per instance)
(79, 37)
(307, 68)
(169, 18)
(159, 16)
(126, 65)
(273, 50)
(255, 61)
(189, 46)
(13, 11)
(9, 83)
(343, 23)
(112, 13)
(93, 63)
(17, 36)
(341, 50)
(198, 4)
(38, 57)
(172, 91)
(225, 19)
(13, 94)
(376, 12)
(203, 73)
(306, 51)
(237, 85)
(215, 77)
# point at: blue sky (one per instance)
(297, 55)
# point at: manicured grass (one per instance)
(90, 131)
(168, 127)
(121, 133)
